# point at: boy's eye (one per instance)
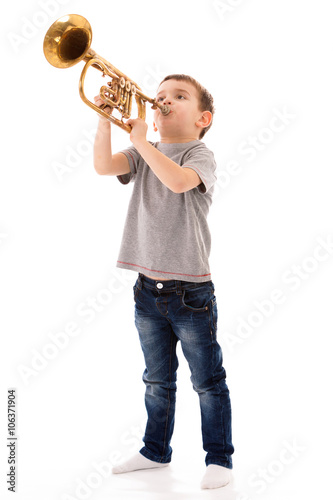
(179, 96)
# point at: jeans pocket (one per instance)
(196, 299)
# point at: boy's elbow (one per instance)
(187, 181)
(100, 172)
(177, 188)
(180, 187)
(100, 169)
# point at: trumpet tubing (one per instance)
(68, 42)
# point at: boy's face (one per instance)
(184, 122)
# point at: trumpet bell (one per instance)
(67, 41)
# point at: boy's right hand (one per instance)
(99, 102)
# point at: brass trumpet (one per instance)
(67, 42)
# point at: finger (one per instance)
(100, 103)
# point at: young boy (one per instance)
(167, 241)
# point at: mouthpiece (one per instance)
(165, 110)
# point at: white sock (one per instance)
(216, 476)
(138, 462)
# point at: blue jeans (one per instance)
(165, 312)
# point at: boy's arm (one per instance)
(176, 178)
(105, 163)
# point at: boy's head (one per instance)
(192, 107)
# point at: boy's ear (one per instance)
(154, 127)
(205, 119)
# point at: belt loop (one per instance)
(179, 288)
(139, 282)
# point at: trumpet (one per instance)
(67, 42)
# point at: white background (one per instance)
(60, 236)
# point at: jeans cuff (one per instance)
(217, 461)
(146, 453)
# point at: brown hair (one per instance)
(206, 102)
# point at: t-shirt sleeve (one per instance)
(202, 161)
(133, 159)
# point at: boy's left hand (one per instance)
(139, 129)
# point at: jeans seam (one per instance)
(168, 409)
(217, 386)
(210, 315)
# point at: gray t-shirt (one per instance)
(166, 234)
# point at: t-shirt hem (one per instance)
(197, 278)
(126, 178)
(203, 187)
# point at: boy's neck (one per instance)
(177, 140)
